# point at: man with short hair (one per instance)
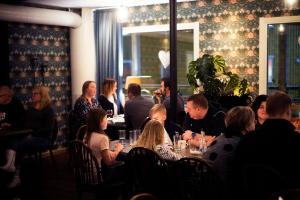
(163, 96)
(202, 116)
(11, 108)
(276, 144)
(136, 108)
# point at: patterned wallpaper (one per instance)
(39, 54)
(227, 27)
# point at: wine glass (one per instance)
(109, 113)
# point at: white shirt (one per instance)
(112, 100)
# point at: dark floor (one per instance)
(44, 181)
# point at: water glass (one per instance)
(176, 139)
(194, 149)
(122, 136)
(133, 135)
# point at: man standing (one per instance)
(136, 108)
(11, 108)
(163, 96)
(201, 116)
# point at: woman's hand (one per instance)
(119, 147)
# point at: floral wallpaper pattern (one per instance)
(227, 27)
(39, 55)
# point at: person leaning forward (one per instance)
(202, 117)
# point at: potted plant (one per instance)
(209, 75)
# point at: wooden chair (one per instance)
(50, 147)
(81, 132)
(88, 174)
(195, 179)
(147, 172)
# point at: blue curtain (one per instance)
(108, 39)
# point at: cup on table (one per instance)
(182, 144)
(176, 139)
(133, 136)
(194, 149)
(122, 136)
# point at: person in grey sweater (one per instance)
(136, 108)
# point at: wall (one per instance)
(39, 54)
(227, 27)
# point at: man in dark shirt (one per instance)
(136, 108)
(276, 144)
(163, 96)
(12, 107)
(201, 116)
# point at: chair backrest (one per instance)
(81, 132)
(195, 179)
(147, 171)
(144, 123)
(260, 181)
(85, 165)
(73, 125)
(53, 134)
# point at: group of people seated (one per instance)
(39, 118)
(259, 133)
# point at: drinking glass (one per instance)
(109, 113)
(122, 136)
(194, 149)
(176, 144)
(133, 136)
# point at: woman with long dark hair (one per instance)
(96, 138)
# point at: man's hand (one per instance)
(187, 135)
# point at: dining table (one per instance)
(184, 152)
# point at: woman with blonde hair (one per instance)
(108, 99)
(152, 138)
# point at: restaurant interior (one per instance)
(61, 44)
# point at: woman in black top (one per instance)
(108, 99)
(259, 108)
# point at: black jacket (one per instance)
(213, 123)
(107, 105)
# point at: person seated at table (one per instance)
(85, 103)
(163, 96)
(152, 138)
(159, 113)
(108, 99)
(136, 108)
(275, 144)
(239, 121)
(96, 138)
(40, 117)
(202, 116)
(11, 108)
(259, 108)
